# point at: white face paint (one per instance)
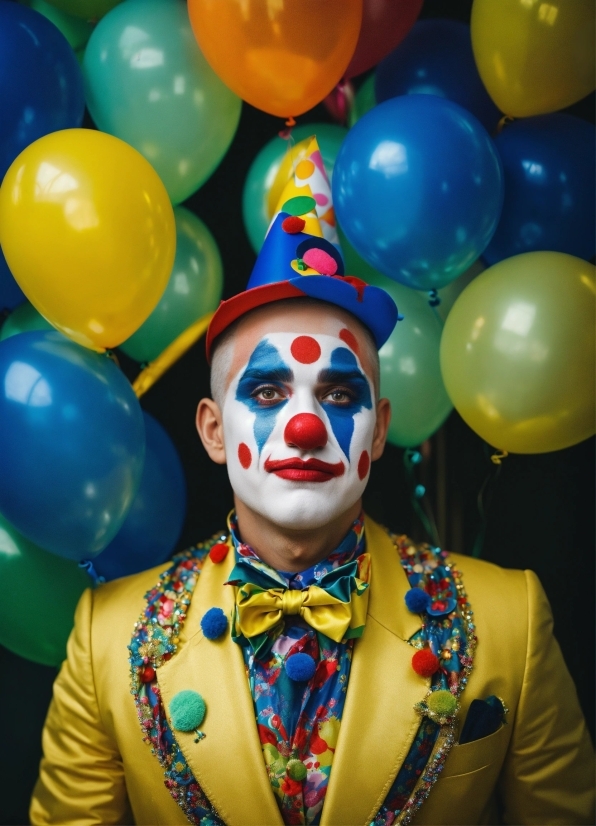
(299, 419)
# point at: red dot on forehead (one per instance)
(244, 455)
(350, 339)
(305, 349)
(363, 464)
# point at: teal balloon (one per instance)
(38, 627)
(75, 30)
(148, 83)
(364, 101)
(22, 320)
(410, 364)
(194, 289)
(265, 166)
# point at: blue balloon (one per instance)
(72, 443)
(154, 522)
(41, 84)
(549, 170)
(436, 58)
(418, 189)
(10, 292)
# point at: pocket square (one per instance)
(484, 717)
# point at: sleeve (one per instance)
(548, 775)
(81, 779)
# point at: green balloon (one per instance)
(265, 166)
(364, 101)
(148, 83)
(194, 289)
(23, 319)
(39, 594)
(85, 9)
(410, 366)
(75, 30)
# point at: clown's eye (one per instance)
(340, 396)
(268, 394)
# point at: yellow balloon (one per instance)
(88, 232)
(517, 353)
(534, 56)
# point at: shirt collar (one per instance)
(351, 546)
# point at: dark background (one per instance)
(538, 510)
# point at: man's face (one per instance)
(299, 417)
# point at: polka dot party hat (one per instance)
(301, 258)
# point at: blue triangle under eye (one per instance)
(344, 367)
(265, 365)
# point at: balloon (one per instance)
(42, 86)
(194, 289)
(258, 198)
(283, 58)
(517, 353)
(53, 586)
(75, 30)
(148, 83)
(72, 443)
(534, 57)
(10, 292)
(436, 58)
(364, 101)
(88, 232)
(154, 522)
(85, 9)
(385, 23)
(548, 163)
(417, 189)
(410, 370)
(23, 320)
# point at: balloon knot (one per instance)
(290, 122)
(505, 121)
(433, 298)
(89, 567)
(498, 457)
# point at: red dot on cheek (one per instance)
(244, 455)
(305, 349)
(350, 339)
(363, 464)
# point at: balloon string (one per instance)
(505, 121)
(155, 370)
(89, 567)
(485, 495)
(411, 459)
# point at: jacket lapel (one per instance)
(379, 722)
(228, 764)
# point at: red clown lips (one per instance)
(298, 470)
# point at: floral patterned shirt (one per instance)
(299, 720)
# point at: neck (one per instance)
(292, 550)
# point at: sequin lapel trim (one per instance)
(155, 640)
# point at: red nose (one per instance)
(306, 432)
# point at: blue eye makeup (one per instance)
(344, 371)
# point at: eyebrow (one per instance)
(279, 374)
(337, 374)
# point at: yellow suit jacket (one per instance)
(96, 768)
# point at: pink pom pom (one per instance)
(320, 261)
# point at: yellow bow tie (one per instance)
(259, 611)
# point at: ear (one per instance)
(210, 428)
(381, 428)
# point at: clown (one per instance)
(304, 666)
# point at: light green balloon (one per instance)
(23, 319)
(85, 9)
(410, 365)
(75, 30)
(38, 596)
(266, 165)
(364, 101)
(148, 83)
(194, 289)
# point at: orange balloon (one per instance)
(282, 56)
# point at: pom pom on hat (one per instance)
(417, 600)
(296, 770)
(425, 663)
(442, 703)
(214, 623)
(320, 261)
(187, 710)
(293, 224)
(300, 667)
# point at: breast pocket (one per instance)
(464, 792)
